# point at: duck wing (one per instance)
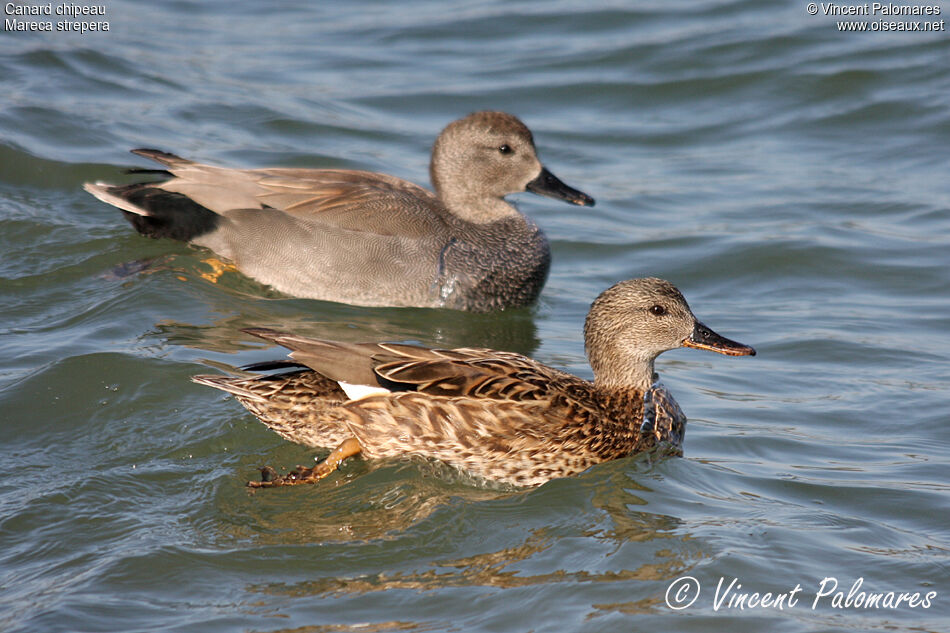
(353, 200)
(471, 373)
(479, 374)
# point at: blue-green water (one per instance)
(790, 178)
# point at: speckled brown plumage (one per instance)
(497, 415)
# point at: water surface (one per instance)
(791, 179)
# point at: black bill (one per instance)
(704, 338)
(547, 184)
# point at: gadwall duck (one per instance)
(365, 238)
(498, 416)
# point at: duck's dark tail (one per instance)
(155, 212)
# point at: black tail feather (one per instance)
(142, 170)
(268, 365)
(172, 215)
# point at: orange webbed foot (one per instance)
(218, 268)
(303, 475)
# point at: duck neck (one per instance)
(613, 375)
(460, 194)
(477, 209)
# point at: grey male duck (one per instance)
(498, 416)
(366, 238)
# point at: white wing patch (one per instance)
(358, 392)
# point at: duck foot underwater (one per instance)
(304, 475)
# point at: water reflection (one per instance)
(245, 303)
(362, 627)
(490, 569)
(363, 502)
(399, 504)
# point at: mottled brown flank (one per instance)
(502, 417)
(285, 404)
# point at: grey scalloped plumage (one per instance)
(366, 238)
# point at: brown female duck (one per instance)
(497, 415)
(364, 238)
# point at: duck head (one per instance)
(480, 159)
(634, 321)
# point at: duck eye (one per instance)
(505, 149)
(658, 310)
